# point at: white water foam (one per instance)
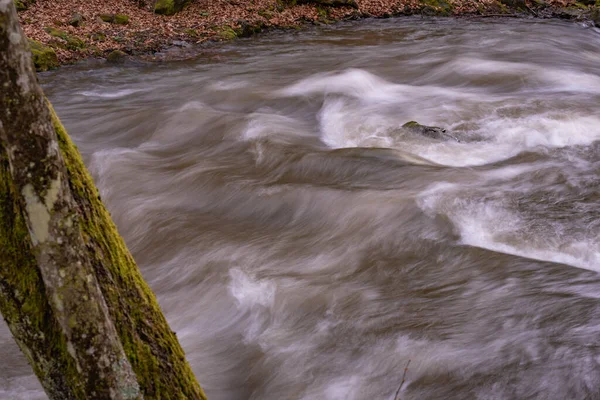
(491, 227)
(361, 109)
(110, 95)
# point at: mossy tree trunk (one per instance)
(70, 291)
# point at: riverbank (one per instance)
(78, 29)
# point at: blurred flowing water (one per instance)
(303, 245)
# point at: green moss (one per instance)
(165, 7)
(322, 12)
(44, 57)
(98, 36)
(227, 33)
(20, 5)
(151, 346)
(170, 7)
(503, 9)
(411, 124)
(121, 19)
(70, 42)
(116, 57)
(55, 32)
(110, 18)
(191, 32)
(266, 14)
(436, 7)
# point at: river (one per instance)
(303, 245)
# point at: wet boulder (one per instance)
(432, 132)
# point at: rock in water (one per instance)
(116, 57)
(432, 132)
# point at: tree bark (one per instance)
(70, 291)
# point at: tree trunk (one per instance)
(70, 291)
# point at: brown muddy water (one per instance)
(303, 245)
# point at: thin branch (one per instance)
(531, 10)
(403, 380)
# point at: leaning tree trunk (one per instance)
(70, 291)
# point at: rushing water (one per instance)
(303, 245)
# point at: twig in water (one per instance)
(403, 380)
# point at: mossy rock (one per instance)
(44, 57)
(76, 20)
(121, 19)
(71, 42)
(110, 18)
(116, 57)
(170, 7)
(191, 32)
(227, 33)
(98, 36)
(55, 32)
(436, 8)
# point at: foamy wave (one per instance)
(367, 87)
(109, 95)
(361, 109)
(491, 227)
